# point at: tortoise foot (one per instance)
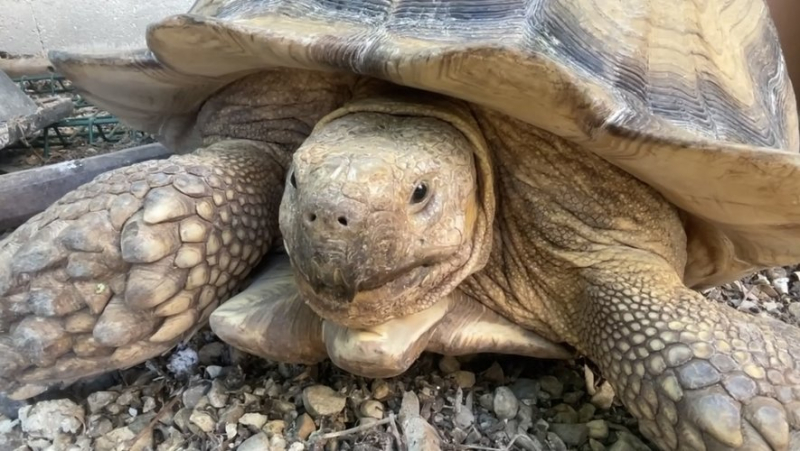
(129, 264)
(698, 375)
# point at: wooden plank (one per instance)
(26, 193)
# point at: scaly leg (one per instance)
(698, 375)
(127, 265)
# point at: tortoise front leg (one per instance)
(698, 375)
(127, 265)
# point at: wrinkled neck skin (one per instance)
(388, 206)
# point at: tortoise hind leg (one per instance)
(127, 265)
(697, 374)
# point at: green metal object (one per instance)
(87, 126)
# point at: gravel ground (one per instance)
(208, 396)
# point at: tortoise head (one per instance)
(385, 211)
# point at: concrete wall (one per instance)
(36, 26)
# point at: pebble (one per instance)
(149, 404)
(494, 374)
(320, 400)
(274, 427)
(556, 444)
(486, 401)
(464, 379)
(183, 362)
(598, 429)
(230, 431)
(771, 307)
(203, 420)
(114, 438)
(46, 419)
(372, 409)
(571, 434)
(505, 404)
(526, 389)
(191, 397)
(211, 353)
(594, 445)
(96, 401)
(781, 284)
(628, 442)
(277, 443)
(217, 395)
(258, 442)
(586, 412)
(794, 309)
(563, 413)
(255, 420)
(552, 386)
(464, 418)
(380, 389)
(748, 306)
(181, 419)
(449, 364)
(127, 398)
(214, 371)
(98, 426)
(304, 426)
(231, 414)
(297, 446)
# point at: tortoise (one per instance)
(547, 178)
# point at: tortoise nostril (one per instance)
(311, 217)
(343, 221)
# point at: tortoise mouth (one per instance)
(370, 303)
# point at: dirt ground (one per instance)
(206, 395)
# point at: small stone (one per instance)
(203, 420)
(127, 398)
(494, 374)
(320, 400)
(628, 442)
(486, 401)
(148, 404)
(297, 446)
(274, 427)
(552, 386)
(254, 420)
(594, 445)
(794, 309)
(230, 431)
(211, 353)
(277, 443)
(46, 419)
(464, 418)
(372, 409)
(556, 444)
(748, 306)
(250, 398)
(527, 389)
(586, 412)
(98, 426)
(97, 400)
(113, 439)
(217, 395)
(781, 284)
(258, 442)
(380, 389)
(772, 307)
(231, 414)
(181, 419)
(564, 413)
(283, 407)
(598, 429)
(304, 425)
(214, 371)
(571, 434)
(505, 404)
(449, 364)
(464, 379)
(191, 397)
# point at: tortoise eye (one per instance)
(293, 181)
(420, 193)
